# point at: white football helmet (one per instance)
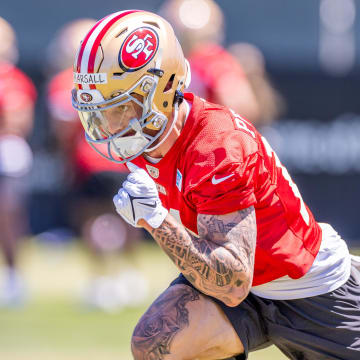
(129, 71)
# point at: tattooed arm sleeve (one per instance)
(220, 261)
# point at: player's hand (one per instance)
(139, 199)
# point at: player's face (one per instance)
(102, 124)
(118, 118)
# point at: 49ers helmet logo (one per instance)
(138, 49)
(86, 97)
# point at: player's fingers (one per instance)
(117, 201)
(132, 167)
(137, 188)
(122, 195)
(138, 176)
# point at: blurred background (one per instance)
(75, 278)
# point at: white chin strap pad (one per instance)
(129, 145)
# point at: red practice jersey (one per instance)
(206, 62)
(16, 89)
(221, 164)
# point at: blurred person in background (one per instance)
(17, 100)
(90, 179)
(256, 267)
(270, 102)
(244, 85)
(200, 28)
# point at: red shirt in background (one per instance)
(214, 70)
(16, 89)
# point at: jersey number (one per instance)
(303, 211)
(241, 123)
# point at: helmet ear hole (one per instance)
(169, 84)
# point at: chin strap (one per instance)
(176, 113)
(178, 99)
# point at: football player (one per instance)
(17, 102)
(256, 268)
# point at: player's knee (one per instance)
(143, 343)
(165, 326)
(151, 341)
(137, 349)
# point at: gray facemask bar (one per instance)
(110, 141)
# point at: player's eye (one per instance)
(123, 108)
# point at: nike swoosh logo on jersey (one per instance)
(215, 181)
(153, 205)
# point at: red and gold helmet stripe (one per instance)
(89, 47)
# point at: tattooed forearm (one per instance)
(157, 328)
(220, 262)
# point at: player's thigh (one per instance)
(184, 324)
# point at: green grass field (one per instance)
(53, 324)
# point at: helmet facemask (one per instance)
(131, 140)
